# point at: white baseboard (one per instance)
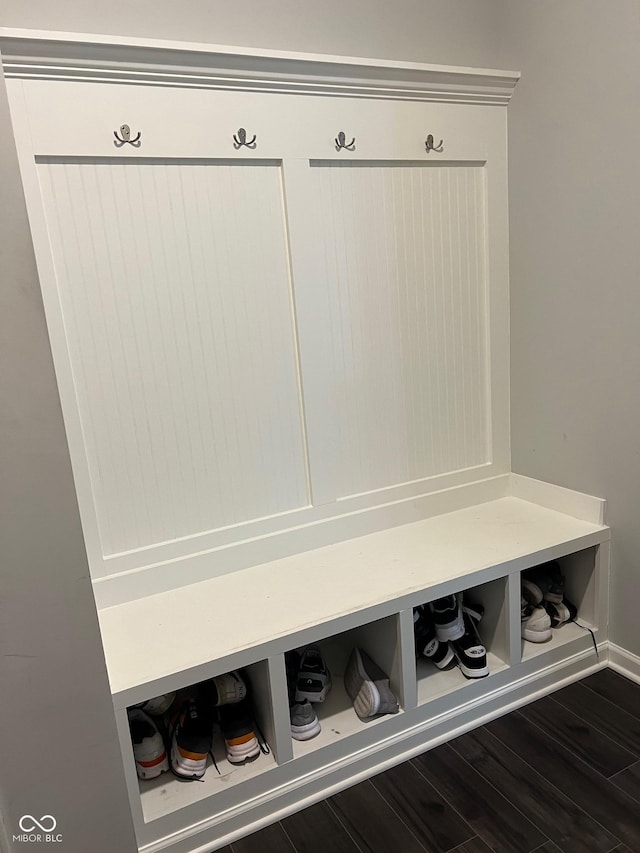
(624, 662)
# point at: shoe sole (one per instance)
(230, 688)
(531, 592)
(152, 768)
(306, 732)
(539, 592)
(158, 706)
(187, 768)
(536, 636)
(473, 673)
(243, 753)
(446, 660)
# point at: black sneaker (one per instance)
(561, 613)
(427, 643)
(190, 734)
(314, 679)
(242, 737)
(469, 651)
(447, 617)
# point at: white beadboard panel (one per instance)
(402, 257)
(174, 283)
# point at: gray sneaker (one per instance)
(368, 687)
(304, 722)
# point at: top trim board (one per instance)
(37, 54)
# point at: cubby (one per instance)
(166, 793)
(381, 641)
(494, 633)
(582, 571)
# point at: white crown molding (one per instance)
(35, 54)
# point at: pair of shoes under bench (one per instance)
(455, 622)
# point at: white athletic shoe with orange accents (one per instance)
(148, 747)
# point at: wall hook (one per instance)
(430, 144)
(241, 139)
(341, 142)
(125, 136)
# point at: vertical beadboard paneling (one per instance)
(406, 344)
(174, 284)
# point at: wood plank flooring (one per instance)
(561, 775)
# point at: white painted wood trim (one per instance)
(79, 56)
(624, 662)
(577, 504)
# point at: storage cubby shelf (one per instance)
(184, 635)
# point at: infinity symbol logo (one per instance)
(28, 823)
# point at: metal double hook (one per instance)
(241, 139)
(430, 146)
(341, 142)
(125, 136)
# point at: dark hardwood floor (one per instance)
(561, 774)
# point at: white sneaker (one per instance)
(148, 747)
(536, 622)
(230, 688)
(159, 705)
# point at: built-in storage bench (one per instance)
(359, 592)
(276, 289)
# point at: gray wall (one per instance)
(58, 750)
(574, 137)
(455, 32)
